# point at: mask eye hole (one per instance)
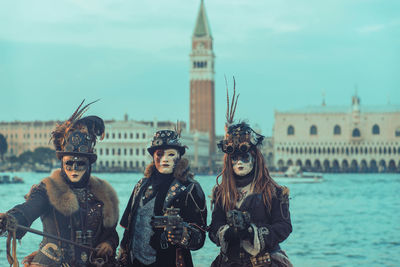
(159, 153)
(80, 163)
(69, 163)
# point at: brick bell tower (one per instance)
(202, 107)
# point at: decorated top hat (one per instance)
(239, 138)
(165, 139)
(77, 136)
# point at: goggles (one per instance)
(76, 165)
(231, 147)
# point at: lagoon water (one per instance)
(347, 220)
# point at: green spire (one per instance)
(202, 28)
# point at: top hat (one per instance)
(166, 139)
(239, 138)
(77, 136)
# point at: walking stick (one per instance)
(12, 226)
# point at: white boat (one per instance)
(294, 175)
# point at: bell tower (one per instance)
(202, 106)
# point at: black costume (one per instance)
(255, 216)
(178, 190)
(270, 228)
(72, 204)
(64, 210)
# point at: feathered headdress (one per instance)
(239, 137)
(77, 135)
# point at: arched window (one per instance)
(356, 132)
(337, 130)
(313, 130)
(290, 130)
(397, 132)
(375, 129)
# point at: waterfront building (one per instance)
(124, 146)
(351, 138)
(202, 106)
(26, 136)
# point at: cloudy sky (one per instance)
(134, 56)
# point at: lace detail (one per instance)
(262, 233)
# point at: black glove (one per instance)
(231, 236)
(239, 221)
(178, 234)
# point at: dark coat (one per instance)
(183, 193)
(64, 211)
(273, 226)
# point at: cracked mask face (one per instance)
(242, 163)
(75, 167)
(165, 160)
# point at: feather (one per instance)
(94, 124)
(231, 105)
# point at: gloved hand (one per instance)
(104, 249)
(231, 236)
(239, 221)
(122, 257)
(178, 234)
(3, 223)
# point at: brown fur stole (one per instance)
(63, 199)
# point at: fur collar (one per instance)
(65, 201)
(181, 171)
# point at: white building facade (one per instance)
(339, 138)
(124, 147)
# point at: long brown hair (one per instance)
(227, 193)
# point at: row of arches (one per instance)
(342, 166)
(337, 130)
(340, 150)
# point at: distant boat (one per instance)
(6, 179)
(294, 175)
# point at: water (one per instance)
(347, 220)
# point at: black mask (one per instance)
(82, 182)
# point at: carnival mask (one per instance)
(165, 160)
(75, 167)
(242, 163)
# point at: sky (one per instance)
(134, 56)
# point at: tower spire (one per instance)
(202, 27)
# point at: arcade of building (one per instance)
(339, 138)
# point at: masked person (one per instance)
(167, 183)
(250, 214)
(72, 204)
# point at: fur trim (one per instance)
(60, 195)
(104, 192)
(181, 171)
(63, 199)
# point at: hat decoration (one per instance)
(239, 137)
(77, 136)
(167, 139)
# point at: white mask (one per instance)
(242, 164)
(165, 160)
(75, 167)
